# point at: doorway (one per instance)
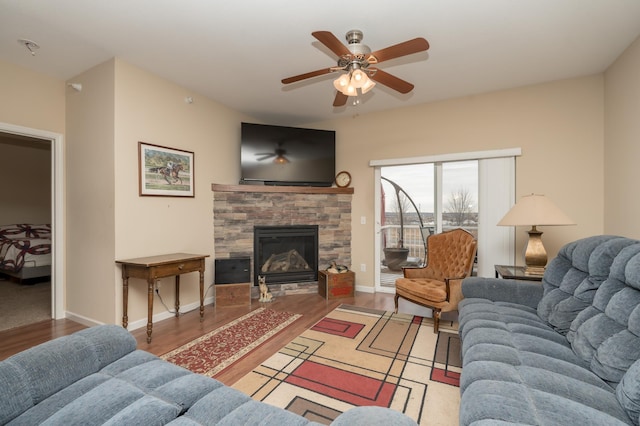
(418, 200)
(477, 210)
(56, 188)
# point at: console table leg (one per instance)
(125, 297)
(177, 295)
(202, 294)
(150, 285)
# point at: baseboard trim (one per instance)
(365, 288)
(134, 325)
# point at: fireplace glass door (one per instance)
(285, 254)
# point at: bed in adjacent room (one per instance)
(25, 251)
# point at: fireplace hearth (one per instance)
(284, 254)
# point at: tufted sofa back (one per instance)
(606, 335)
(573, 277)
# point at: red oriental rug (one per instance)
(359, 356)
(215, 351)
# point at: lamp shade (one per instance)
(535, 210)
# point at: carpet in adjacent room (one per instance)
(22, 304)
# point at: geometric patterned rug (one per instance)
(358, 356)
(215, 351)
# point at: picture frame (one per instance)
(164, 171)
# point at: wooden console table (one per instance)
(155, 267)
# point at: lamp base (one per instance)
(535, 256)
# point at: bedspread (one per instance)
(24, 245)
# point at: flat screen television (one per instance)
(279, 155)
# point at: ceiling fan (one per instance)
(355, 58)
(279, 153)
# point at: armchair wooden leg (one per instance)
(436, 320)
(396, 302)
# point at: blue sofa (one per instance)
(96, 376)
(564, 352)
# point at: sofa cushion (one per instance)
(608, 334)
(78, 355)
(228, 406)
(628, 392)
(574, 276)
(104, 404)
(487, 313)
(496, 402)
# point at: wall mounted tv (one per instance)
(278, 155)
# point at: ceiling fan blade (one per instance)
(328, 39)
(340, 100)
(306, 75)
(264, 156)
(397, 50)
(391, 81)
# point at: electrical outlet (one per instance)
(158, 285)
(363, 267)
(363, 220)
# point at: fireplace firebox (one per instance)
(285, 254)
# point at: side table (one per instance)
(515, 273)
(155, 267)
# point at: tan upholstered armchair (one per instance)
(450, 257)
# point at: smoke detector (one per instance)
(31, 45)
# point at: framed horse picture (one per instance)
(165, 172)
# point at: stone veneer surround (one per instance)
(238, 208)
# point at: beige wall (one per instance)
(622, 135)
(34, 101)
(30, 99)
(558, 125)
(153, 110)
(89, 158)
(25, 181)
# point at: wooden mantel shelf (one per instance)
(272, 188)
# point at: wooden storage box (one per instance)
(335, 286)
(233, 294)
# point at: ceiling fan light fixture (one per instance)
(354, 60)
(348, 84)
(368, 85)
(358, 78)
(350, 90)
(341, 82)
(280, 160)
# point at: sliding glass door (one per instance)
(418, 200)
(417, 197)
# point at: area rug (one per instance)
(357, 356)
(215, 351)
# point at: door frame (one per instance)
(501, 252)
(57, 210)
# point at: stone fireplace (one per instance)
(239, 209)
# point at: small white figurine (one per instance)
(265, 296)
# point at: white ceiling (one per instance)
(236, 52)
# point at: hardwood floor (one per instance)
(174, 332)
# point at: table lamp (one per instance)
(535, 210)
